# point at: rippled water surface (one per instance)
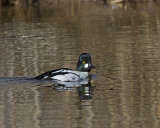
(124, 43)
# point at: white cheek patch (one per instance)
(86, 65)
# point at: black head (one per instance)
(84, 63)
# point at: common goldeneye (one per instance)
(83, 68)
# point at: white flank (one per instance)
(71, 76)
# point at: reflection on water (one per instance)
(85, 91)
(124, 45)
(84, 87)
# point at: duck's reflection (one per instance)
(86, 91)
(84, 87)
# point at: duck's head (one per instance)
(84, 63)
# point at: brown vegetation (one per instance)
(19, 2)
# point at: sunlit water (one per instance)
(125, 47)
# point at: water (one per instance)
(124, 45)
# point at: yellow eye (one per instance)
(84, 62)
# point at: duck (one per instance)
(82, 71)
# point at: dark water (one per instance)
(124, 43)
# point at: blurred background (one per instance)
(122, 37)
